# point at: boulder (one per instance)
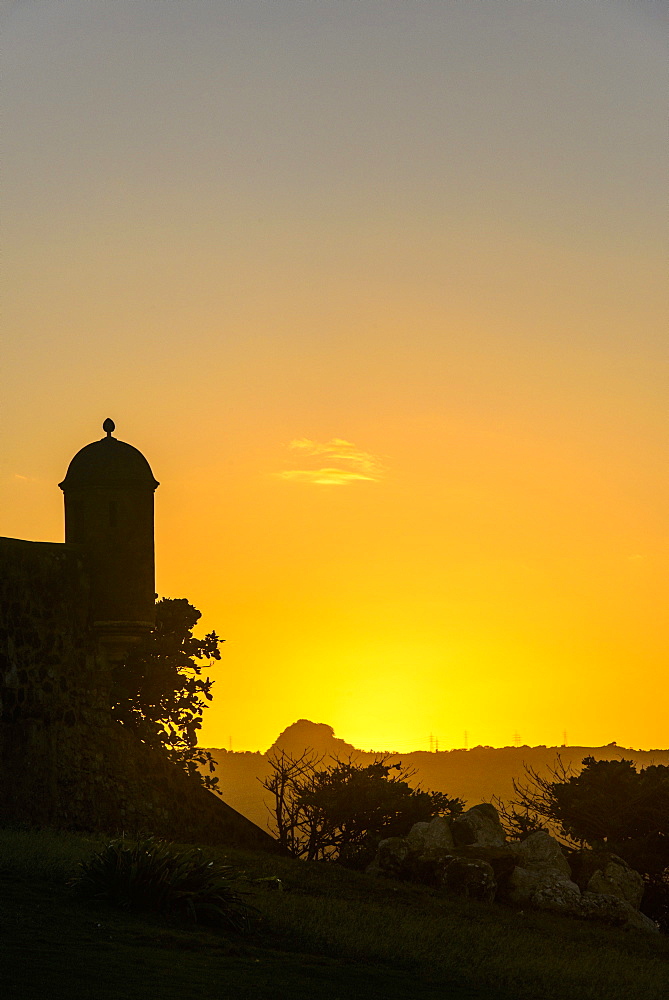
(416, 836)
(606, 873)
(616, 911)
(618, 879)
(416, 856)
(502, 860)
(428, 870)
(471, 878)
(479, 825)
(545, 889)
(390, 857)
(541, 852)
(558, 894)
(542, 877)
(437, 837)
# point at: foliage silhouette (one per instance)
(154, 875)
(160, 692)
(608, 805)
(340, 809)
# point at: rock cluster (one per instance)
(469, 855)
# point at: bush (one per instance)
(341, 809)
(156, 876)
(160, 693)
(607, 805)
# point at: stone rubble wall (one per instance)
(469, 855)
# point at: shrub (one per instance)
(608, 804)
(160, 693)
(156, 876)
(341, 809)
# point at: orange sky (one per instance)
(379, 290)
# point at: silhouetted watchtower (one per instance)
(108, 492)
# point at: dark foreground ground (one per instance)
(324, 934)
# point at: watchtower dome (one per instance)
(108, 494)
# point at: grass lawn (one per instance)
(324, 932)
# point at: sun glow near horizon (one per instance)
(379, 291)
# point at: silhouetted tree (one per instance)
(340, 809)
(160, 692)
(519, 821)
(608, 805)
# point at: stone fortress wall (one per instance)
(51, 691)
(64, 762)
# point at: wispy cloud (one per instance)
(346, 463)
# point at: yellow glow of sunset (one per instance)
(379, 291)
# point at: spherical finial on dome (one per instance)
(108, 464)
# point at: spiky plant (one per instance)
(157, 876)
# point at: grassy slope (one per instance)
(329, 933)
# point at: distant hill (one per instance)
(476, 775)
